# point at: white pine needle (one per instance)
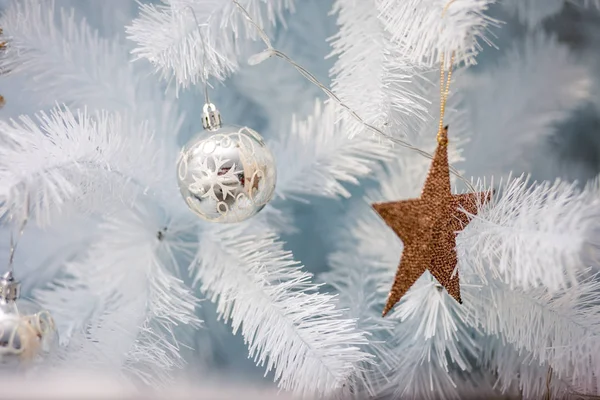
(118, 305)
(518, 373)
(533, 237)
(561, 330)
(287, 324)
(317, 157)
(168, 35)
(358, 286)
(432, 337)
(66, 61)
(418, 26)
(372, 75)
(69, 157)
(404, 175)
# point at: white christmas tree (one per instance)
(113, 252)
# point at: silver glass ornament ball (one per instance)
(27, 333)
(226, 173)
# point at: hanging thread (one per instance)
(204, 69)
(211, 117)
(14, 243)
(444, 90)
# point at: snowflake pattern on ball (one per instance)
(216, 179)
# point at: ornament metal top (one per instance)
(226, 173)
(27, 333)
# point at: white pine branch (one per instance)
(66, 61)
(511, 119)
(534, 236)
(286, 323)
(61, 55)
(76, 158)
(425, 32)
(561, 330)
(118, 305)
(372, 75)
(359, 289)
(543, 300)
(518, 373)
(168, 35)
(432, 338)
(317, 157)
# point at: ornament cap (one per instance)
(10, 289)
(211, 117)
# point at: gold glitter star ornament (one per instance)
(427, 227)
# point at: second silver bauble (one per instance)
(27, 332)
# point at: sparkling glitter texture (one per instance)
(427, 227)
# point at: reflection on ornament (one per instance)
(27, 333)
(226, 173)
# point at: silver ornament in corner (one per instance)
(226, 173)
(27, 333)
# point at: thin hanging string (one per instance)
(204, 69)
(444, 84)
(271, 51)
(444, 90)
(14, 243)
